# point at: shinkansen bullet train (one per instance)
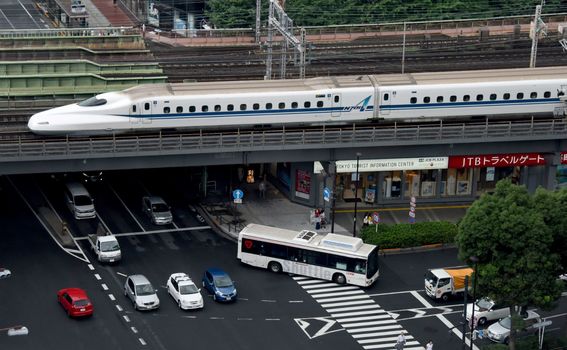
(316, 101)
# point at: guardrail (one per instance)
(67, 32)
(213, 142)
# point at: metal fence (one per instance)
(214, 142)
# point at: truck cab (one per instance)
(106, 247)
(446, 282)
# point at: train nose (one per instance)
(39, 123)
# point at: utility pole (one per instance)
(258, 20)
(404, 49)
(539, 28)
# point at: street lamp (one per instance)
(474, 259)
(358, 154)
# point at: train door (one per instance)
(135, 113)
(147, 112)
(336, 105)
(386, 100)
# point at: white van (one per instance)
(79, 201)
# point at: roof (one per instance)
(107, 238)
(155, 199)
(138, 279)
(452, 271)
(76, 293)
(182, 278)
(215, 271)
(77, 187)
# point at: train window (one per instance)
(337, 98)
(426, 99)
(93, 101)
(453, 98)
(439, 99)
(294, 104)
(520, 95)
(413, 100)
(243, 107)
(506, 96)
(134, 108)
(204, 108)
(533, 95)
(256, 106)
(147, 106)
(386, 97)
(307, 104)
(191, 109)
(166, 110)
(230, 107)
(179, 109)
(281, 105)
(217, 108)
(479, 97)
(268, 106)
(319, 103)
(466, 98)
(492, 97)
(547, 94)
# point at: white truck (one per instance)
(447, 282)
(106, 247)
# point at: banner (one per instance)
(496, 160)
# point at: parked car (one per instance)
(500, 332)
(157, 210)
(75, 302)
(184, 291)
(220, 285)
(141, 292)
(486, 310)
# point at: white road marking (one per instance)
(267, 301)
(196, 228)
(295, 301)
(359, 313)
(393, 293)
(407, 346)
(352, 308)
(346, 303)
(363, 318)
(216, 318)
(244, 319)
(387, 339)
(119, 307)
(351, 297)
(104, 286)
(373, 329)
(375, 334)
(320, 285)
(121, 274)
(314, 291)
(272, 319)
(97, 276)
(336, 294)
(134, 330)
(299, 278)
(126, 207)
(126, 318)
(368, 324)
(443, 319)
(142, 341)
(304, 282)
(91, 267)
(111, 297)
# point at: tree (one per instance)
(516, 265)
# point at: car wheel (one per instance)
(179, 304)
(215, 297)
(445, 297)
(125, 292)
(482, 321)
(275, 267)
(135, 305)
(339, 278)
(507, 340)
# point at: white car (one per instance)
(486, 310)
(4, 273)
(184, 291)
(500, 331)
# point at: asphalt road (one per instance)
(275, 311)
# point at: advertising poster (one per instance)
(302, 184)
(153, 15)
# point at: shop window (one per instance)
(413, 100)
(269, 106)
(230, 108)
(294, 105)
(217, 108)
(426, 99)
(192, 109)
(479, 97)
(466, 98)
(320, 104)
(307, 104)
(420, 183)
(392, 185)
(492, 97)
(179, 109)
(256, 106)
(204, 108)
(456, 182)
(520, 96)
(453, 98)
(533, 94)
(281, 105)
(439, 99)
(506, 96)
(547, 94)
(166, 110)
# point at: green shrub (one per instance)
(409, 235)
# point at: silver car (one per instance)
(141, 292)
(500, 331)
(157, 210)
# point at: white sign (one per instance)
(366, 165)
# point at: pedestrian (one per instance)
(401, 341)
(365, 220)
(429, 345)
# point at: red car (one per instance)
(75, 301)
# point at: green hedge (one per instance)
(409, 235)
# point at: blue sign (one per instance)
(237, 194)
(326, 194)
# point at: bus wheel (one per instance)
(339, 278)
(275, 267)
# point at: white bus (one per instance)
(333, 257)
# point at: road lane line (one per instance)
(324, 290)
(350, 297)
(346, 303)
(372, 329)
(104, 286)
(336, 294)
(127, 209)
(363, 318)
(119, 307)
(97, 276)
(111, 297)
(126, 318)
(142, 341)
(134, 330)
(91, 267)
(359, 313)
(393, 293)
(352, 308)
(295, 301)
(368, 324)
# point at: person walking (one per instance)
(401, 341)
(429, 346)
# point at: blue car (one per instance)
(219, 284)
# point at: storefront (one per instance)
(561, 175)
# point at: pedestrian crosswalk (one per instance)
(370, 325)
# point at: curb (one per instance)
(423, 248)
(215, 226)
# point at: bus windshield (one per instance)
(372, 264)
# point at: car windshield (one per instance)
(109, 246)
(144, 289)
(223, 281)
(81, 303)
(505, 322)
(431, 278)
(188, 289)
(83, 200)
(485, 304)
(91, 102)
(160, 208)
